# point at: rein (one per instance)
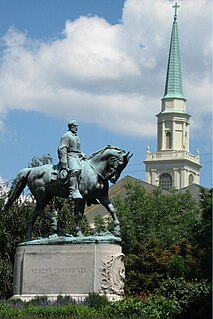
(99, 174)
(108, 174)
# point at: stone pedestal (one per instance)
(71, 268)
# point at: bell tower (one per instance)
(172, 166)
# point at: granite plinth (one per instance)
(74, 269)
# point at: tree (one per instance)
(159, 238)
(38, 161)
(203, 233)
(12, 232)
(145, 216)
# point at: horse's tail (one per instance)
(19, 184)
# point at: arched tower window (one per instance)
(165, 181)
(191, 179)
(168, 140)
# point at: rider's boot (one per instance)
(73, 186)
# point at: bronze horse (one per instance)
(100, 168)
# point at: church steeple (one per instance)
(174, 87)
(173, 165)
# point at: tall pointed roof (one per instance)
(174, 87)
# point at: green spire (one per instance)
(174, 87)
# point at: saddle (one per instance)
(62, 176)
(59, 175)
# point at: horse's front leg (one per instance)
(78, 215)
(112, 210)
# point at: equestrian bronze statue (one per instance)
(91, 183)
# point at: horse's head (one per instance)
(117, 161)
(109, 162)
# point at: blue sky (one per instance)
(103, 63)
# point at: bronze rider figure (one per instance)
(70, 157)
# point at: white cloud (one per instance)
(111, 75)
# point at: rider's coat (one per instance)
(69, 152)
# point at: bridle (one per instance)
(98, 173)
(112, 170)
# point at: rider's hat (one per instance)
(72, 122)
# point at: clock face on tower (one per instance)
(169, 105)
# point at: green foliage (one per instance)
(38, 300)
(204, 234)
(64, 300)
(86, 228)
(145, 216)
(103, 224)
(185, 291)
(40, 307)
(175, 299)
(96, 301)
(64, 209)
(38, 161)
(194, 297)
(184, 261)
(153, 308)
(12, 232)
(159, 307)
(145, 268)
(100, 224)
(163, 236)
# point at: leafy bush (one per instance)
(65, 300)
(193, 297)
(203, 234)
(96, 301)
(173, 300)
(51, 311)
(38, 301)
(154, 308)
(146, 267)
(184, 261)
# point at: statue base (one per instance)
(74, 268)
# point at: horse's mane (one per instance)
(104, 149)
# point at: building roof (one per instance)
(194, 189)
(174, 87)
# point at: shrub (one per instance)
(154, 308)
(64, 300)
(146, 267)
(192, 296)
(96, 301)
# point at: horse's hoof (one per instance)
(79, 234)
(67, 235)
(28, 238)
(117, 231)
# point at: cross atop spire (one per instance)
(176, 6)
(174, 87)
